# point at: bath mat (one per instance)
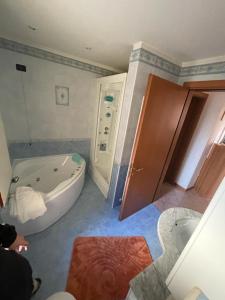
(101, 267)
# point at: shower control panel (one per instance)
(109, 101)
(106, 119)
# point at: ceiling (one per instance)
(185, 30)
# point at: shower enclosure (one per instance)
(110, 91)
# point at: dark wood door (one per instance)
(162, 110)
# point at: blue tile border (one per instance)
(156, 61)
(118, 178)
(49, 147)
(140, 54)
(214, 68)
(120, 185)
(56, 58)
(113, 184)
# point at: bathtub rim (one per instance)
(52, 194)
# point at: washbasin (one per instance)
(182, 231)
(175, 227)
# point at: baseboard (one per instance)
(182, 188)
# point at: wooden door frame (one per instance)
(191, 94)
(194, 88)
(209, 85)
(206, 85)
(197, 104)
(179, 92)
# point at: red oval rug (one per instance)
(101, 267)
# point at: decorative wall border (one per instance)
(156, 61)
(213, 68)
(56, 58)
(140, 54)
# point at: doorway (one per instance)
(202, 129)
(162, 145)
(191, 121)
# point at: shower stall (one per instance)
(110, 91)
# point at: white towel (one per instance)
(27, 204)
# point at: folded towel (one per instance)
(27, 204)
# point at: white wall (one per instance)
(46, 119)
(202, 261)
(137, 80)
(201, 140)
(5, 169)
(136, 83)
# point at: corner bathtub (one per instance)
(60, 178)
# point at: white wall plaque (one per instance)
(62, 95)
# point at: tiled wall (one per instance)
(143, 63)
(53, 147)
(137, 78)
(52, 57)
(28, 104)
(28, 100)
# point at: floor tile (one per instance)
(173, 196)
(50, 250)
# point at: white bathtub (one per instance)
(60, 178)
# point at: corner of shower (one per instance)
(110, 91)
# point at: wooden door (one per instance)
(212, 172)
(161, 112)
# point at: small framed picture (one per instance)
(62, 95)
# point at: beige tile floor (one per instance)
(173, 196)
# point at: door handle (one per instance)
(138, 169)
(134, 170)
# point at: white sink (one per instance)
(175, 227)
(182, 231)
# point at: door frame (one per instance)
(191, 94)
(194, 88)
(139, 128)
(197, 98)
(208, 85)
(203, 86)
